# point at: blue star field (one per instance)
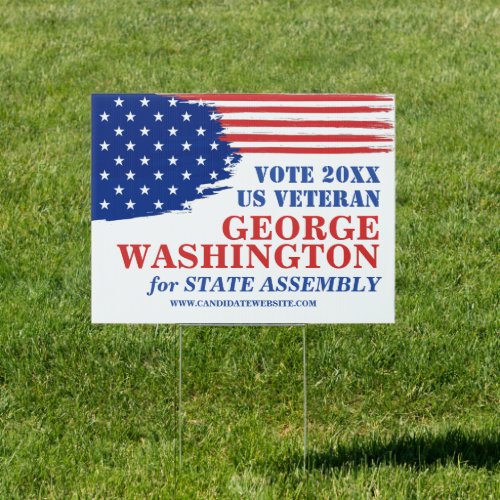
(153, 154)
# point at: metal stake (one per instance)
(181, 329)
(304, 359)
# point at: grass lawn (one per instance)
(409, 410)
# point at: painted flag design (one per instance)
(156, 153)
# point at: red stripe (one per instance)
(303, 138)
(300, 109)
(287, 97)
(306, 123)
(315, 150)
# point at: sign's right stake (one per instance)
(304, 359)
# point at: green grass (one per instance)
(403, 411)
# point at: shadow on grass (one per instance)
(417, 451)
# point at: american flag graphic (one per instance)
(156, 153)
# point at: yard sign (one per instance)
(242, 208)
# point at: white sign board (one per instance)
(243, 208)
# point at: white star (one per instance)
(118, 189)
(144, 189)
(201, 103)
(185, 205)
(130, 146)
(104, 175)
(213, 146)
(186, 146)
(186, 116)
(173, 102)
(130, 175)
(144, 160)
(119, 131)
(118, 160)
(158, 146)
(228, 160)
(186, 176)
(119, 102)
(158, 117)
(144, 131)
(158, 176)
(158, 205)
(200, 160)
(172, 190)
(104, 117)
(213, 116)
(201, 131)
(144, 102)
(104, 146)
(130, 205)
(104, 205)
(173, 160)
(172, 131)
(213, 175)
(130, 116)
(200, 190)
